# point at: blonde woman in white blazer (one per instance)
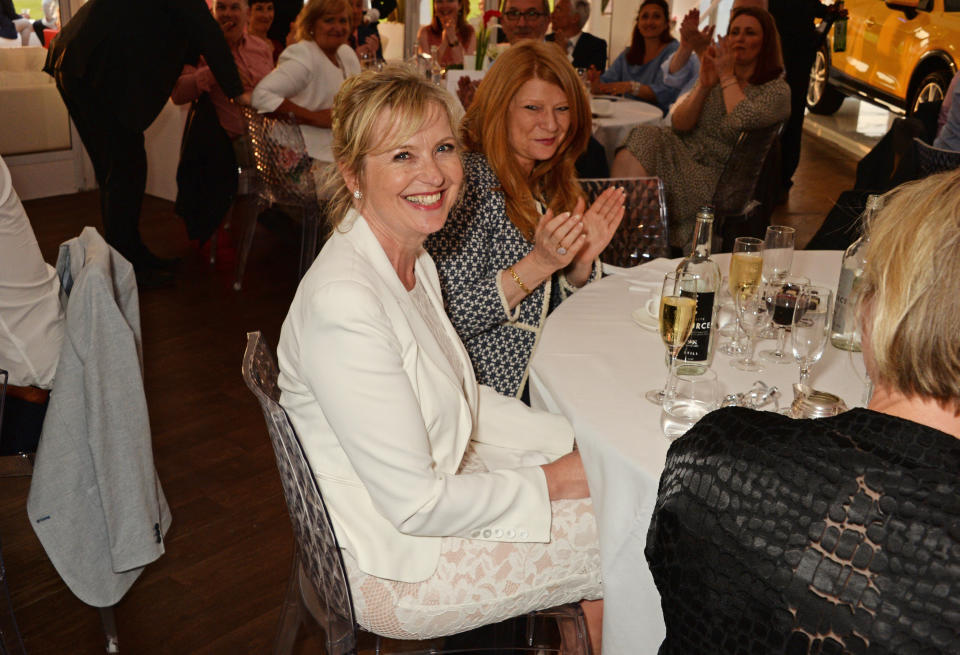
(310, 71)
(454, 506)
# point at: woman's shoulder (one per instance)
(477, 171)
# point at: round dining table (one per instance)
(621, 115)
(593, 364)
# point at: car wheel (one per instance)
(822, 97)
(932, 88)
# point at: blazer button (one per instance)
(498, 533)
(523, 534)
(486, 533)
(475, 534)
(511, 533)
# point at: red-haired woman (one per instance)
(521, 238)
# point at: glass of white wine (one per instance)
(746, 267)
(811, 327)
(678, 308)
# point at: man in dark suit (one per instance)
(583, 49)
(115, 64)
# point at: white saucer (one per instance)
(644, 320)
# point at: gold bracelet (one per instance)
(516, 278)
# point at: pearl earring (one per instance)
(358, 194)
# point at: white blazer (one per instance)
(385, 421)
(307, 77)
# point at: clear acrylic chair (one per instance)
(642, 235)
(318, 585)
(931, 160)
(284, 178)
(736, 187)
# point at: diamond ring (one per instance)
(561, 251)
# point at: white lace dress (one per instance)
(479, 582)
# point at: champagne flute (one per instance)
(746, 267)
(678, 308)
(754, 316)
(781, 299)
(811, 327)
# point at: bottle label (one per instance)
(697, 348)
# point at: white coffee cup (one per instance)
(601, 106)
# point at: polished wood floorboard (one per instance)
(218, 587)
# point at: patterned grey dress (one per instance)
(690, 163)
(476, 245)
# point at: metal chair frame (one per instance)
(318, 584)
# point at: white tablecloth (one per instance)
(593, 364)
(611, 131)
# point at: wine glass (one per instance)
(754, 316)
(811, 327)
(777, 252)
(746, 267)
(777, 258)
(678, 308)
(781, 299)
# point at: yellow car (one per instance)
(897, 54)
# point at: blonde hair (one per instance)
(485, 130)
(910, 301)
(376, 111)
(314, 10)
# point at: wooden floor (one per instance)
(219, 585)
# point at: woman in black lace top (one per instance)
(836, 535)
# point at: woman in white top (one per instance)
(310, 71)
(454, 506)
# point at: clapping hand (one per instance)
(692, 36)
(723, 58)
(600, 222)
(708, 68)
(558, 239)
(466, 89)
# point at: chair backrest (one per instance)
(931, 160)
(734, 192)
(642, 235)
(283, 165)
(312, 529)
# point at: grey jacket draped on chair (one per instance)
(95, 501)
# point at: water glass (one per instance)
(778, 252)
(811, 327)
(688, 399)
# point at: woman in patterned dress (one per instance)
(521, 239)
(453, 505)
(740, 88)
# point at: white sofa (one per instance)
(33, 117)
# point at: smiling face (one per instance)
(746, 39)
(409, 189)
(538, 119)
(232, 17)
(651, 21)
(331, 31)
(261, 18)
(530, 21)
